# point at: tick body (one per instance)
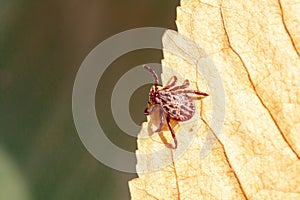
(172, 101)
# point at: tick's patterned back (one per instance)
(178, 106)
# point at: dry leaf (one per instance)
(255, 48)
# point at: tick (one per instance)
(172, 101)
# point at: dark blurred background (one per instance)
(42, 44)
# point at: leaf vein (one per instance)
(254, 89)
(286, 29)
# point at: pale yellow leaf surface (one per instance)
(254, 47)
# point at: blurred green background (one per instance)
(42, 44)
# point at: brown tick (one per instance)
(172, 101)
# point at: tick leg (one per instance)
(161, 123)
(172, 84)
(150, 111)
(172, 132)
(146, 112)
(153, 74)
(193, 91)
(185, 84)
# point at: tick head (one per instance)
(152, 95)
